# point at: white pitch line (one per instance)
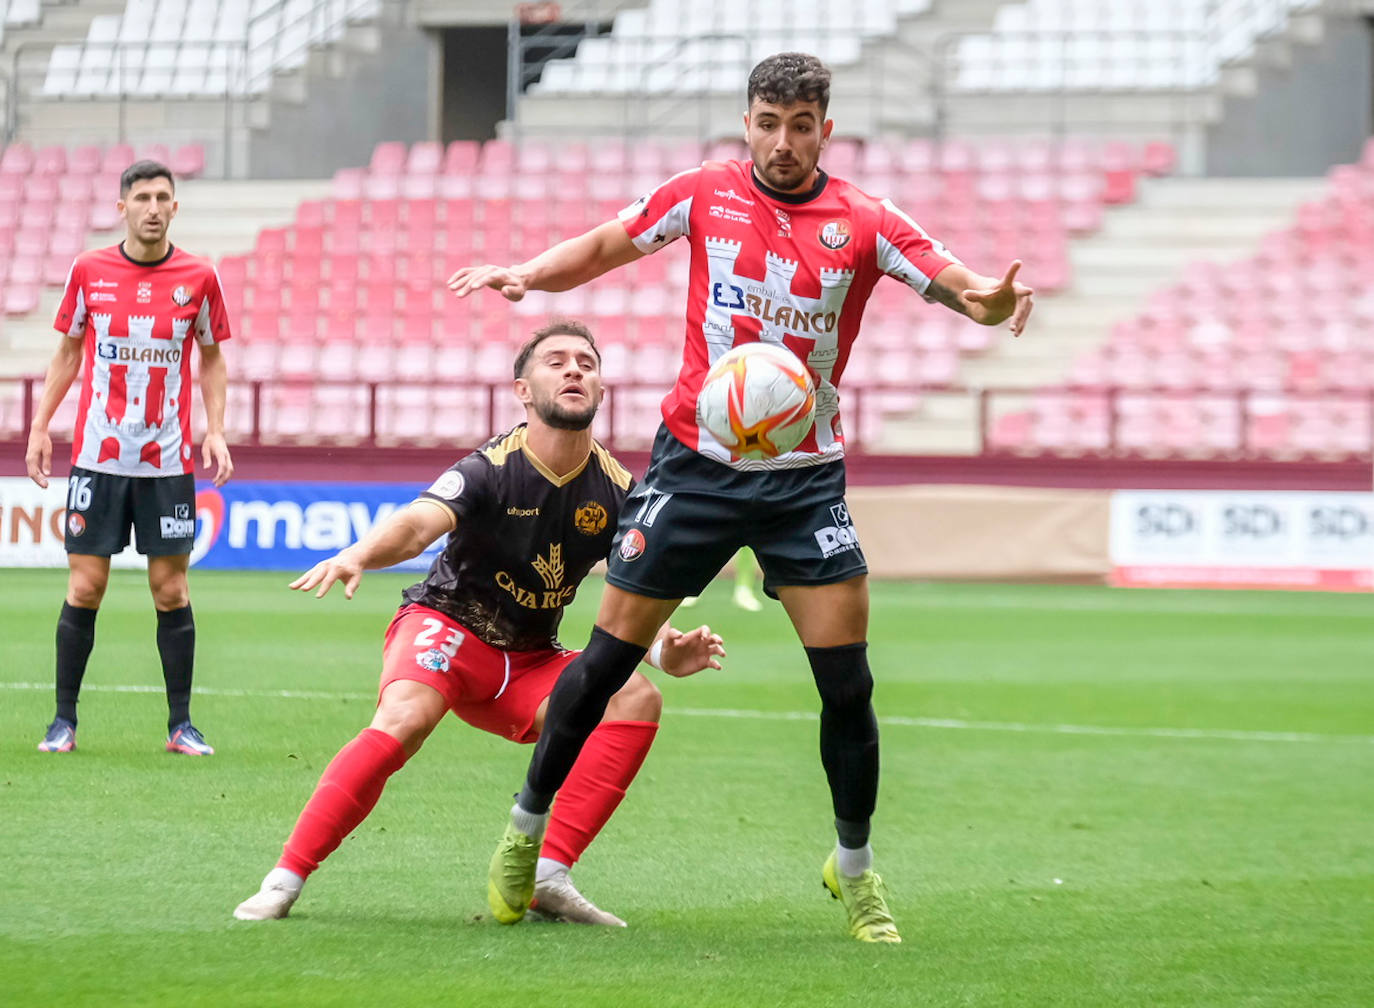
(1051, 729)
(955, 724)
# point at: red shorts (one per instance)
(497, 691)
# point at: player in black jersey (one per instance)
(527, 516)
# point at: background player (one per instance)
(746, 576)
(124, 318)
(527, 516)
(780, 252)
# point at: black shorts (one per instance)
(690, 514)
(101, 508)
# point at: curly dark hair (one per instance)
(557, 327)
(790, 77)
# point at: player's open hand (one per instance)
(214, 450)
(688, 653)
(1005, 299)
(38, 457)
(340, 567)
(499, 278)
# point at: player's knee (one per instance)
(607, 663)
(407, 719)
(638, 700)
(85, 591)
(842, 676)
(170, 591)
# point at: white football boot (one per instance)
(558, 899)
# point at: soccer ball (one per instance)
(758, 400)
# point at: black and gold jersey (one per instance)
(524, 541)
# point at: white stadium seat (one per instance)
(171, 47)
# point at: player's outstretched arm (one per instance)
(568, 264)
(683, 653)
(987, 300)
(400, 537)
(62, 371)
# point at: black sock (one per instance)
(75, 637)
(576, 706)
(176, 644)
(849, 736)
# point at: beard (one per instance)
(784, 178)
(561, 418)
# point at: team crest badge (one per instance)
(433, 660)
(632, 546)
(590, 518)
(834, 235)
(75, 524)
(181, 296)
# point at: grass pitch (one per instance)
(1090, 797)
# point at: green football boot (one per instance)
(865, 900)
(510, 880)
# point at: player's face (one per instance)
(562, 383)
(148, 209)
(785, 142)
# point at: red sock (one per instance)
(346, 793)
(608, 762)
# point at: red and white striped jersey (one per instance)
(795, 269)
(134, 417)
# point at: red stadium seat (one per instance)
(188, 161)
(1159, 158)
(388, 158)
(17, 160)
(461, 157)
(116, 158)
(84, 161)
(21, 298)
(50, 161)
(425, 158)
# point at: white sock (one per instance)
(283, 878)
(547, 868)
(529, 823)
(853, 862)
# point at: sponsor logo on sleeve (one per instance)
(632, 546)
(449, 485)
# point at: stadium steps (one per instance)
(1140, 249)
(226, 130)
(874, 94)
(443, 13)
(889, 90)
(59, 22)
(217, 218)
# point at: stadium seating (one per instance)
(1037, 45)
(1265, 355)
(362, 272)
(65, 193)
(201, 48)
(711, 45)
(352, 290)
(1114, 45)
